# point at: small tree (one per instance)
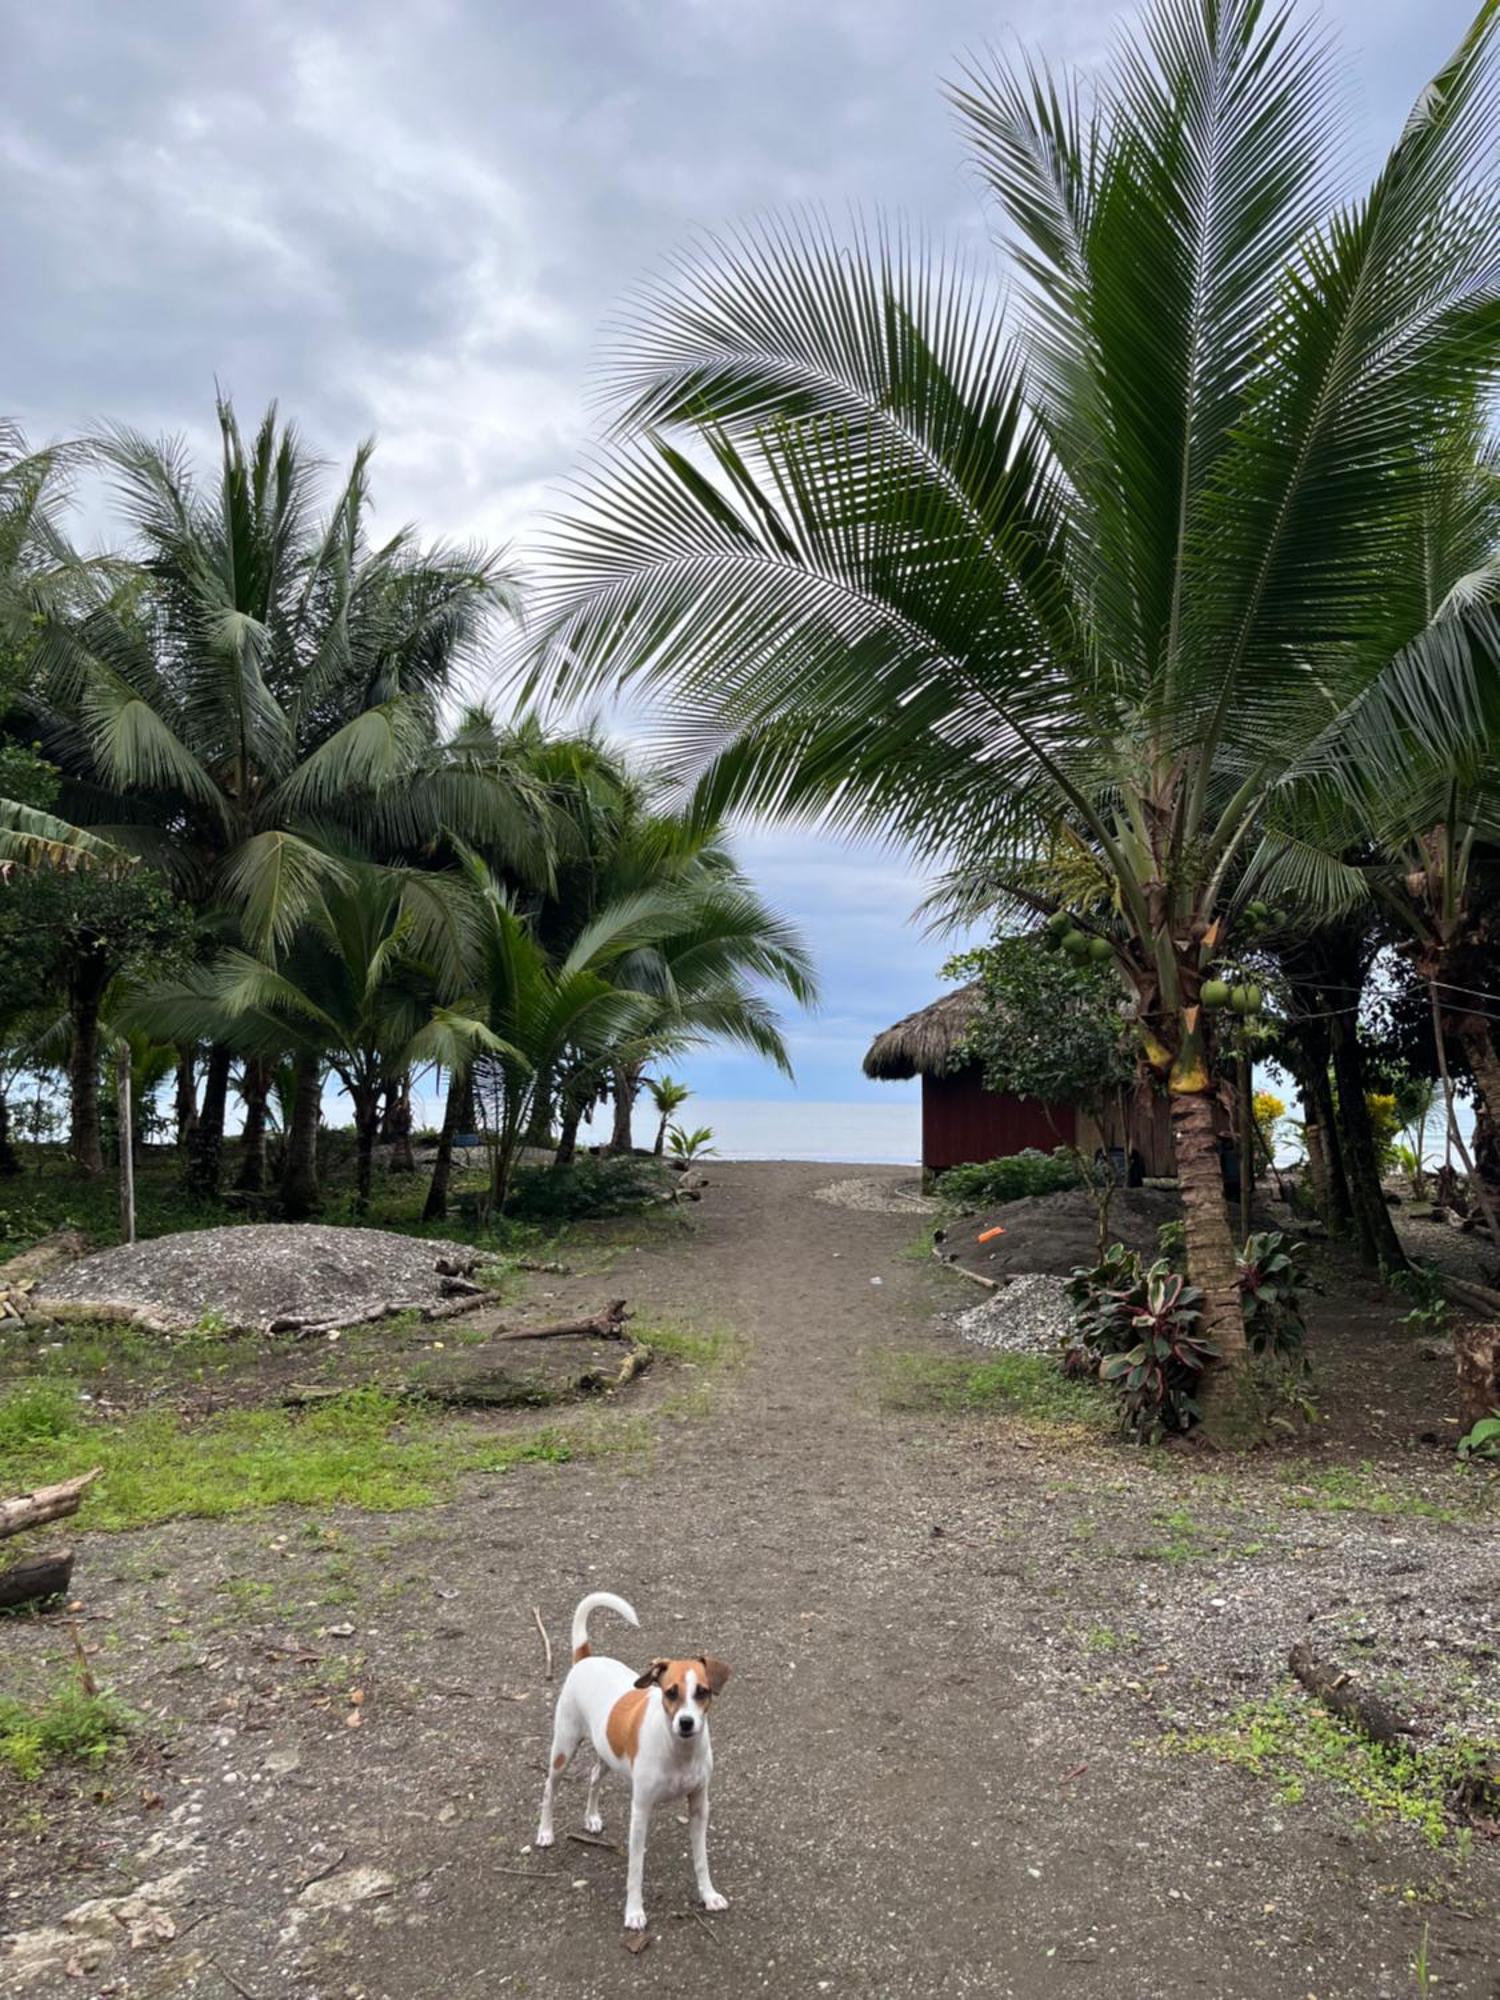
(1049, 1028)
(669, 1096)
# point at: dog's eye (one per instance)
(672, 1693)
(702, 1694)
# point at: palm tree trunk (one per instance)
(435, 1208)
(1375, 1235)
(627, 1081)
(366, 1098)
(90, 976)
(256, 1088)
(187, 1098)
(661, 1135)
(398, 1118)
(299, 1177)
(10, 1164)
(567, 1138)
(206, 1142)
(1484, 1064)
(1228, 1413)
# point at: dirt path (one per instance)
(920, 1788)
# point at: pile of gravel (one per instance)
(1028, 1315)
(879, 1196)
(256, 1275)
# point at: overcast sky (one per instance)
(412, 219)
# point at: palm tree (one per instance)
(668, 1096)
(370, 986)
(1068, 586)
(271, 693)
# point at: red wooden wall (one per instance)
(962, 1121)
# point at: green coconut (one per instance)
(1101, 950)
(1238, 1000)
(1059, 923)
(1215, 993)
(1253, 999)
(1075, 944)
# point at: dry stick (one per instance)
(597, 1840)
(546, 1642)
(85, 1677)
(527, 1875)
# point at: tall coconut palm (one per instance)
(276, 679)
(1088, 572)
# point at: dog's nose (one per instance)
(685, 1724)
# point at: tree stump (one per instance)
(1476, 1355)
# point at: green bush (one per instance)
(1135, 1325)
(1270, 1278)
(608, 1186)
(993, 1182)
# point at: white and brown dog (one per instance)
(652, 1729)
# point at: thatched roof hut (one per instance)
(963, 1121)
(926, 1043)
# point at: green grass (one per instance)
(69, 1726)
(708, 1347)
(1028, 1386)
(363, 1449)
(1363, 1489)
(1295, 1744)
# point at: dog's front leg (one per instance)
(635, 1866)
(708, 1895)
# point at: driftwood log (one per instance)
(36, 1578)
(47, 1503)
(606, 1325)
(1341, 1693)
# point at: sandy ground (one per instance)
(926, 1782)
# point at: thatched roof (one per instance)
(925, 1043)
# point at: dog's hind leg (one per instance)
(592, 1822)
(567, 1734)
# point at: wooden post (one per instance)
(127, 1143)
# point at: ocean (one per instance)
(792, 1129)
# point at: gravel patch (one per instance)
(1027, 1316)
(879, 1197)
(260, 1273)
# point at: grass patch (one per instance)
(690, 1346)
(1029, 1386)
(363, 1449)
(1294, 1744)
(68, 1727)
(1362, 1489)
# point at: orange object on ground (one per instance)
(989, 1235)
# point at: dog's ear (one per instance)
(652, 1676)
(715, 1672)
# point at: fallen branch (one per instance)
(1482, 1299)
(36, 1578)
(546, 1642)
(47, 1503)
(606, 1325)
(1339, 1692)
(963, 1271)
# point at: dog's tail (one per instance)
(597, 1600)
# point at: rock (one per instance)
(350, 1887)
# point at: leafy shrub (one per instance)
(1483, 1441)
(1423, 1284)
(75, 1725)
(990, 1183)
(689, 1145)
(1135, 1326)
(1385, 1124)
(607, 1186)
(1270, 1281)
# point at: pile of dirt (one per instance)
(1056, 1232)
(260, 1274)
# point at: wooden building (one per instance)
(962, 1122)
